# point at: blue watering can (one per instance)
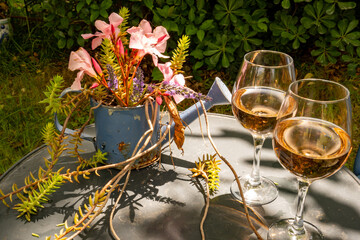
(118, 130)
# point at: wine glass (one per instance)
(258, 93)
(312, 141)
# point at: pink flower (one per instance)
(80, 60)
(148, 41)
(177, 80)
(166, 71)
(105, 30)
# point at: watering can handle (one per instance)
(60, 127)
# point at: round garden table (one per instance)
(164, 202)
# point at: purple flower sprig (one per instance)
(186, 92)
(112, 79)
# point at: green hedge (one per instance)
(221, 31)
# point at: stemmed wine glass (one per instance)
(258, 93)
(312, 141)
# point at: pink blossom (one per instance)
(177, 80)
(105, 30)
(166, 71)
(148, 41)
(80, 60)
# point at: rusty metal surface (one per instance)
(163, 202)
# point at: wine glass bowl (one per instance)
(312, 140)
(258, 92)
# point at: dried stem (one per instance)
(233, 171)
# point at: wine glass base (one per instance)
(264, 193)
(281, 230)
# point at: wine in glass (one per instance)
(258, 93)
(312, 141)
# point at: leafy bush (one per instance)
(221, 31)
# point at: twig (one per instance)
(233, 171)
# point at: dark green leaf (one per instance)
(207, 24)
(346, 58)
(69, 43)
(106, 4)
(346, 5)
(104, 13)
(197, 53)
(331, 9)
(191, 15)
(190, 29)
(352, 25)
(149, 3)
(296, 44)
(200, 4)
(307, 22)
(59, 34)
(285, 4)
(61, 43)
(198, 65)
(309, 9)
(200, 34)
(211, 52)
(64, 22)
(94, 15)
(215, 58)
(225, 61)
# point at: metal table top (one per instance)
(164, 202)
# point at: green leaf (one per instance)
(207, 24)
(64, 22)
(200, 4)
(346, 5)
(105, 4)
(190, 29)
(69, 43)
(94, 15)
(307, 22)
(285, 4)
(215, 58)
(211, 52)
(346, 58)
(61, 43)
(198, 65)
(200, 34)
(104, 13)
(197, 53)
(80, 41)
(88, 2)
(296, 44)
(331, 9)
(225, 61)
(352, 25)
(59, 34)
(309, 9)
(149, 3)
(191, 15)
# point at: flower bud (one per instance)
(120, 47)
(97, 66)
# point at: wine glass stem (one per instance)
(255, 173)
(297, 227)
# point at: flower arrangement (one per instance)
(114, 78)
(117, 66)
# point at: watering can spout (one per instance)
(218, 94)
